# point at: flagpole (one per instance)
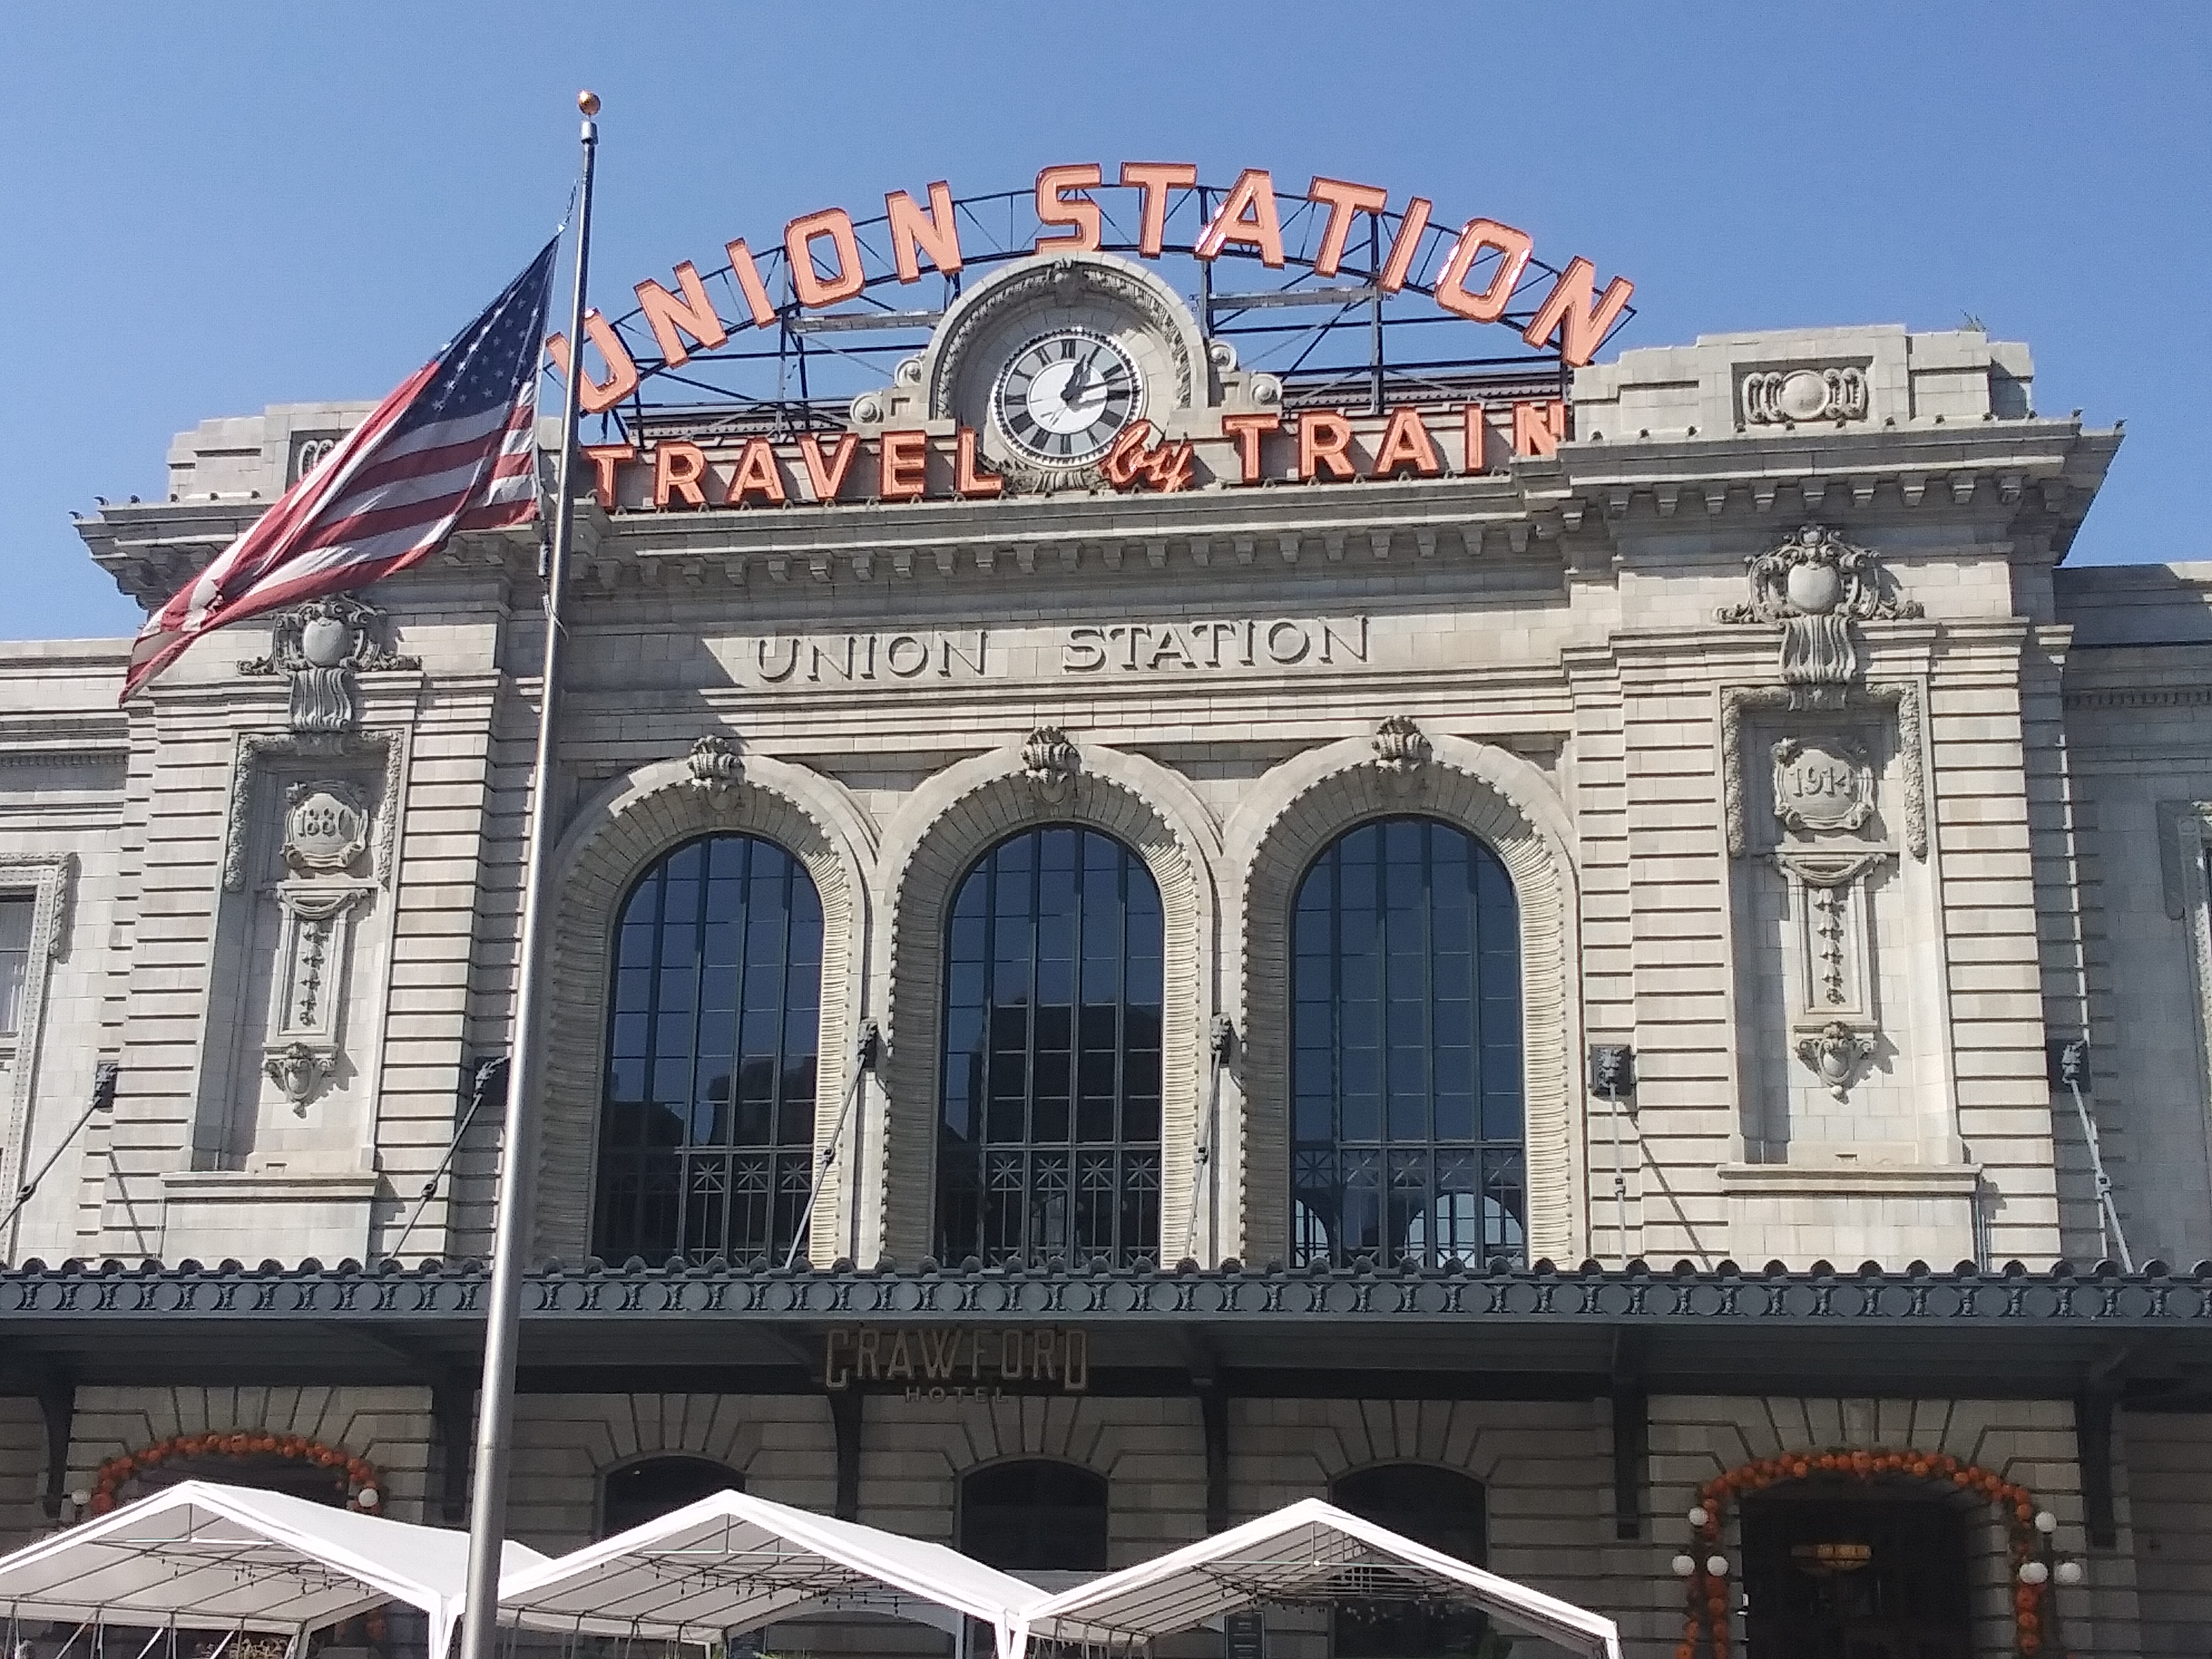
(525, 1068)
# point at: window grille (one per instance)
(1406, 1109)
(1048, 1139)
(707, 1128)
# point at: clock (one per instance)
(1063, 397)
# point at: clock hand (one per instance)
(1072, 393)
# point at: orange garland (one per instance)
(1707, 1593)
(360, 1474)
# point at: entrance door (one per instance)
(1837, 1574)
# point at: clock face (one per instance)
(1062, 398)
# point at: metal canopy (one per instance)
(201, 1556)
(1537, 1333)
(732, 1562)
(1309, 1552)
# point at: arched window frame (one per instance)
(1285, 816)
(935, 833)
(706, 1469)
(1116, 1167)
(1469, 1169)
(790, 1158)
(1091, 1480)
(629, 822)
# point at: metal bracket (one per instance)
(1213, 1418)
(2092, 1438)
(1632, 1437)
(1612, 1074)
(452, 1415)
(57, 1406)
(846, 1418)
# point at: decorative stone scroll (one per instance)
(1050, 761)
(1816, 585)
(1836, 1052)
(299, 1071)
(1835, 935)
(322, 644)
(1834, 391)
(325, 828)
(715, 769)
(1401, 748)
(325, 832)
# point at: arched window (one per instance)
(707, 1130)
(647, 1490)
(1441, 1507)
(1406, 1072)
(1048, 1135)
(1036, 1516)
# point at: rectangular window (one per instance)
(14, 963)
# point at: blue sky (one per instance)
(212, 209)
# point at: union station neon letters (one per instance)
(825, 261)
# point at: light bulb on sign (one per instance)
(2070, 1572)
(1684, 1565)
(369, 1498)
(1716, 1565)
(2045, 1522)
(2033, 1572)
(1700, 1514)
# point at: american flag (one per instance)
(453, 448)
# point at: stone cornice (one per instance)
(2033, 478)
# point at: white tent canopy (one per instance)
(206, 1556)
(1308, 1552)
(732, 1562)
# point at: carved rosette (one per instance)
(715, 769)
(1050, 761)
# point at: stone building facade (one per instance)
(1451, 879)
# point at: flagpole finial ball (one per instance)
(588, 101)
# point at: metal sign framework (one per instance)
(1362, 348)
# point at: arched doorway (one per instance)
(1034, 1516)
(1834, 1571)
(1439, 1507)
(1872, 1548)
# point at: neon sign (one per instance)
(1485, 272)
